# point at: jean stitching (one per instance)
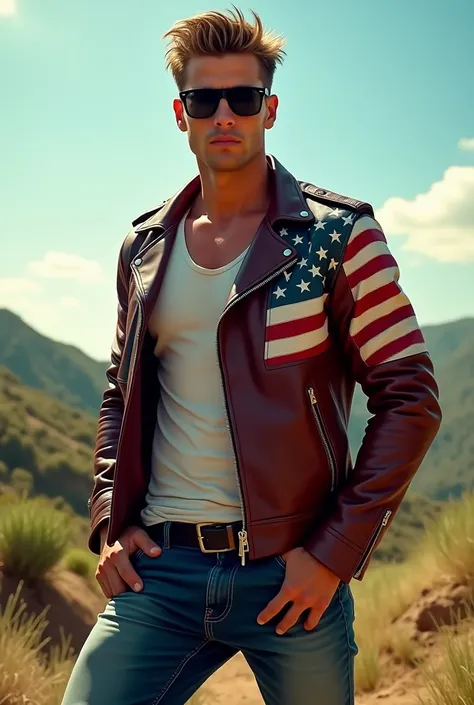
(280, 561)
(166, 534)
(349, 672)
(207, 626)
(138, 553)
(183, 663)
(230, 596)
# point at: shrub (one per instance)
(27, 673)
(33, 538)
(22, 481)
(3, 471)
(81, 562)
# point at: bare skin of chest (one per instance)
(213, 245)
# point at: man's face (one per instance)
(206, 135)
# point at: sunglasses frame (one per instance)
(263, 92)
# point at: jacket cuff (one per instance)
(333, 550)
(100, 513)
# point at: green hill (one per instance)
(60, 370)
(47, 441)
(448, 468)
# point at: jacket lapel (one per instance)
(268, 255)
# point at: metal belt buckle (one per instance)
(230, 536)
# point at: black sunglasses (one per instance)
(243, 100)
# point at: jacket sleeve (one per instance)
(385, 352)
(110, 416)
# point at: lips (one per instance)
(225, 140)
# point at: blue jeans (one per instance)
(196, 611)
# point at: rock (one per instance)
(447, 608)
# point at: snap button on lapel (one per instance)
(304, 214)
(287, 252)
(138, 262)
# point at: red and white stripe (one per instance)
(296, 331)
(384, 325)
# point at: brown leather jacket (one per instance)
(316, 308)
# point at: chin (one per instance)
(226, 162)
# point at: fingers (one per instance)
(126, 572)
(313, 618)
(111, 584)
(104, 585)
(115, 571)
(290, 618)
(274, 607)
(140, 539)
(299, 604)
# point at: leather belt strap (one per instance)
(210, 538)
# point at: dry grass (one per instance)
(27, 674)
(446, 551)
(368, 670)
(450, 540)
(453, 684)
(403, 647)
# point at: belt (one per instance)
(210, 538)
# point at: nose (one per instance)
(224, 117)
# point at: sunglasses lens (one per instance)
(244, 100)
(202, 103)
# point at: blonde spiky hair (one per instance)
(213, 33)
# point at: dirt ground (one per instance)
(234, 684)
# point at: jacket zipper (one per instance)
(131, 377)
(373, 541)
(243, 535)
(323, 434)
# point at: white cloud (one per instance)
(438, 223)
(7, 7)
(61, 265)
(467, 144)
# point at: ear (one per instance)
(272, 107)
(179, 115)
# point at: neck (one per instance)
(229, 194)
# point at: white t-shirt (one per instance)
(193, 475)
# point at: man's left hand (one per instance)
(308, 585)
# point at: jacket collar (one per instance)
(287, 201)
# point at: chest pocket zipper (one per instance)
(323, 434)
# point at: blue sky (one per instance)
(376, 102)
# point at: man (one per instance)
(225, 509)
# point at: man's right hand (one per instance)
(115, 571)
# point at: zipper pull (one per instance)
(243, 545)
(312, 396)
